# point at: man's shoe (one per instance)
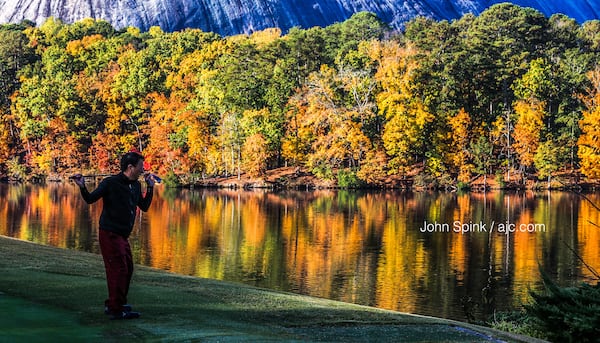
(125, 315)
(126, 308)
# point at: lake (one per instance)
(458, 256)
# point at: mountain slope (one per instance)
(229, 17)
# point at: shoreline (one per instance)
(183, 308)
(294, 178)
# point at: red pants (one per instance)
(118, 264)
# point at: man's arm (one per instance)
(87, 196)
(146, 199)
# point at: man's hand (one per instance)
(150, 180)
(78, 179)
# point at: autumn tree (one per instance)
(35, 110)
(255, 155)
(459, 138)
(404, 134)
(589, 141)
(335, 105)
(527, 130)
(56, 109)
(533, 89)
(167, 146)
(266, 128)
(193, 84)
(351, 96)
(298, 138)
(15, 54)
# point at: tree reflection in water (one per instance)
(394, 250)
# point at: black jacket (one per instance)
(120, 198)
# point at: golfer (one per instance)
(121, 194)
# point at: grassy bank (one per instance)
(51, 294)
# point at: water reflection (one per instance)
(400, 251)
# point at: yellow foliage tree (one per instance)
(298, 139)
(260, 131)
(526, 135)
(7, 136)
(406, 115)
(326, 129)
(198, 140)
(459, 138)
(266, 36)
(589, 141)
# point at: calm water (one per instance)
(447, 255)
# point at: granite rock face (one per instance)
(229, 17)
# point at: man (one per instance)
(121, 194)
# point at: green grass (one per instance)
(23, 321)
(53, 294)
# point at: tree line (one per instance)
(506, 92)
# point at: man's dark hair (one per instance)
(132, 158)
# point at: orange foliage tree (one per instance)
(255, 155)
(168, 135)
(104, 152)
(298, 137)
